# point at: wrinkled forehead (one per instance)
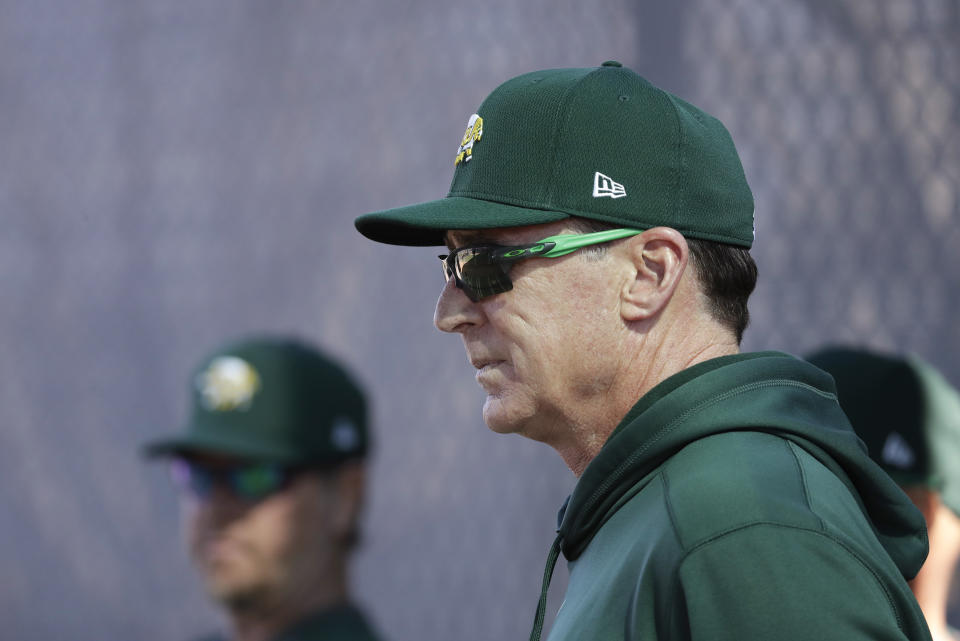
(456, 238)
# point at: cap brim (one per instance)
(424, 225)
(220, 445)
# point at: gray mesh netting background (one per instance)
(176, 173)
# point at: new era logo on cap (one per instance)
(606, 186)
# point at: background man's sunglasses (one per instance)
(484, 270)
(250, 482)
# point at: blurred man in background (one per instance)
(598, 274)
(909, 417)
(271, 467)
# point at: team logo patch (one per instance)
(606, 186)
(228, 383)
(473, 134)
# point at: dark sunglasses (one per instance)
(250, 481)
(484, 270)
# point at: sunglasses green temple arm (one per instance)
(567, 243)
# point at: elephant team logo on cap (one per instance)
(228, 383)
(473, 134)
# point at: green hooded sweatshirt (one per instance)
(734, 502)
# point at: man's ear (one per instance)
(658, 257)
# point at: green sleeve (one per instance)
(769, 581)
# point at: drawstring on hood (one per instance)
(547, 576)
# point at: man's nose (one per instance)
(455, 311)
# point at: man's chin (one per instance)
(236, 598)
(501, 418)
(231, 589)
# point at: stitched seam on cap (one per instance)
(559, 134)
(681, 169)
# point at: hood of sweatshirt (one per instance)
(767, 392)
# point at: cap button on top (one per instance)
(611, 63)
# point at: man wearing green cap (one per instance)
(271, 465)
(909, 417)
(598, 273)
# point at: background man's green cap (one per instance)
(600, 143)
(905, 411)
(272, 399)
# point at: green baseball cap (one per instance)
(906, 413)
(275, 400)
(599, 143)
